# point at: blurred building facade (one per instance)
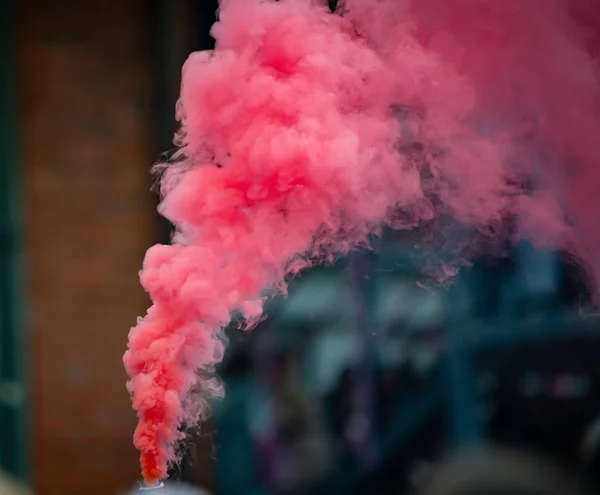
(85, 88)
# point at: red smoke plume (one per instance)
(305, 131)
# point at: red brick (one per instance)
(85, 93)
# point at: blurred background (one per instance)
(363, 380)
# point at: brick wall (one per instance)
(86, 139)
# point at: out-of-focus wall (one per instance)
(85, 100)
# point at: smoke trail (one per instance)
(510, 95)
(305, 131)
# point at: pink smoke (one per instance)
(306, 131)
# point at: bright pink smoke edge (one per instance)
(300, 109)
